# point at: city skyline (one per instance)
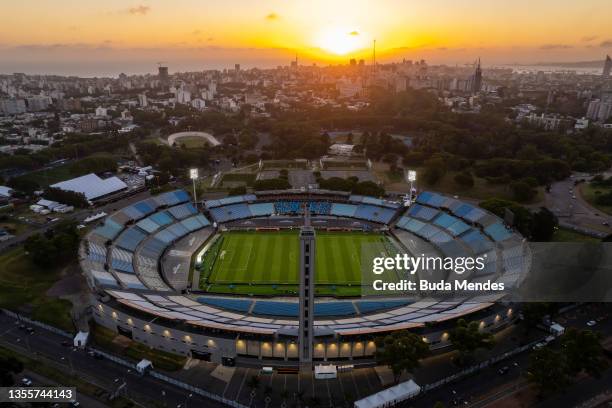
(62, 38)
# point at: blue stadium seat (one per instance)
(319, 207)
(343, 210)
(328, 309)
(275, 308)
(237, 305)
(498, 232)
(230, 212)
(182, 211)
(131, 238)
(261, 209)
(370, 306)
(288, 207)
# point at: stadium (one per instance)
(227, 281)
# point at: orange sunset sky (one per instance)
(96, 38)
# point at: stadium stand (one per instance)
(498, 232)
(230, 212)
(122, 260)
(182, 211)
(422, 212)
(370, 306)
(171, 198)
(374, 213)
(110, 229)
(230, 200)
(288, 207)
(261, 209)
(238, 305)
(343, 210)
(319, 207)
(130, 238)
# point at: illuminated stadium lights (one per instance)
(193, 175)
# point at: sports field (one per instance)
(267, 263)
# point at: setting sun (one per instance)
(341, 41)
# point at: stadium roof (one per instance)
(92, 186)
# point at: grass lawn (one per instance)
(266, 258)
(267, 263)
(233, 178)
(191, 142)
(24, 284)
(566, 235)
(589, 192)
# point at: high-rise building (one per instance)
(162, 73)
(607, 66)
(476, 80)
(237, 67)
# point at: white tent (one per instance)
(390, 396)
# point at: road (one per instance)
(487, 388)
(104, 373)
(576, 212)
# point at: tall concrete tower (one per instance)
(307, 278)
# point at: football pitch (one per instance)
(267, 263)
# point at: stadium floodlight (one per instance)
(412, 176)
(193, 174)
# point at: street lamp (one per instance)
(193, 174)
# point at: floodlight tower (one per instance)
(193, 175)
(411, 176)
(307, 274)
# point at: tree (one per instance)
(534, 313)
(67, 197)
(401, 351)
(464, 179)
(548, 370)
(9, 366)
(584, 352)
(543, 225)
(467, 338)
(522, 191)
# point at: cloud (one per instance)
(196, 32)
(210, 39)
(606, 44)
(354, 33)
(272, 17)
(589, 38)
(139, 10)
(555, 47)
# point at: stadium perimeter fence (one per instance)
(129, 364)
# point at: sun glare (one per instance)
(340, 41)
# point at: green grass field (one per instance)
(267, 263)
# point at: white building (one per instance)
(100, 111)
(142, 100)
